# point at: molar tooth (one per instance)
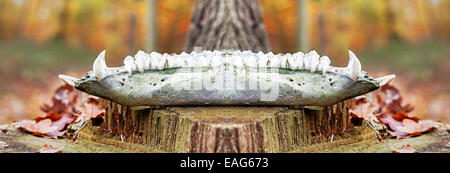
(385, 79)
(172, 60)
(308, 58)
(238, 62)
(99, 68)
(262, 59)
(324, 64)
(354, 66)
(140, 60)
(299, 58)
(250, 61)
(162, 61)
(314, 63)
(154, 59)
(274, 61)
(283, 60)
(129, 64)
(216, 61)
(292, 61)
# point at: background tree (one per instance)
(227, 24)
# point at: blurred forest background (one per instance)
(40, 39)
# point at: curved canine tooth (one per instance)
(299, 58)
(354, 66)
(68, 79)
(99, 68)
(140, 60)
(324, 64)
(385, 79)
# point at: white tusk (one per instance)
(68, 79)
(354, 66)
(385, 79)
(99, 66)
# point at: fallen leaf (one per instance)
(46, 148)
(413, 128)
(40, 128)
(91, 109)
(404, 149)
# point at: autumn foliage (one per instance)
(66, 108)
(388, 109)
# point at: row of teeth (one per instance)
(311, 61)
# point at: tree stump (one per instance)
(226, 129)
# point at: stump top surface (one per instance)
(231, 114)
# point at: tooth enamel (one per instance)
(262, 59)
(68, 79)
(292, 61)
(129, 63)
(314, 63)
(274, 61)
(324, 64)
(140, 60)
(99, 68)
(238, 62)
(250, 61)
(385, 79)
(162, 61)
(283, 60)
(154, 60)
(354, 66)
(308, 58)
(216, 61)
(299, 58)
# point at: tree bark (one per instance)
(227, 24)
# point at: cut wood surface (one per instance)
(226, 129)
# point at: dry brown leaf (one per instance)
(404, 149)
(91, 109)
(413, 128)
(47, 148)
(40, 128)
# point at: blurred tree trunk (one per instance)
(150, 43)
(303, 39)
(227, 24)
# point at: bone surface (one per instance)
(183, 79)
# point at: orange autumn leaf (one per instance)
(416, 128)
(40, 128)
